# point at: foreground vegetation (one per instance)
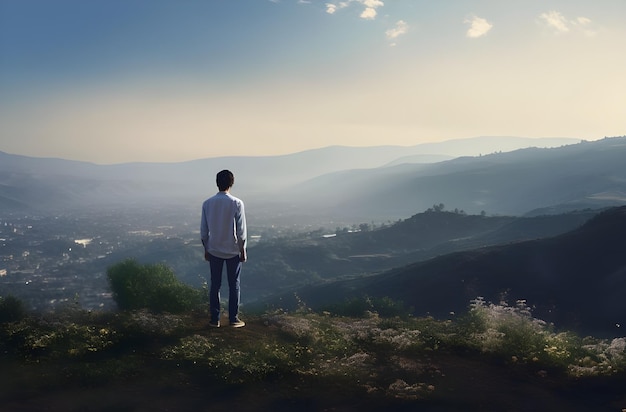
(360, 355)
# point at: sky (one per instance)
(165, 81)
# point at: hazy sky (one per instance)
(152, 80)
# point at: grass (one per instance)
(286, 360)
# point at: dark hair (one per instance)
(225, 179)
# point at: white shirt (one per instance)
(223, 225)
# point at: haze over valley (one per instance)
(261, 180)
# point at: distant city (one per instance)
(48, 261)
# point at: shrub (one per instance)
(11, 309)
(150, 286)
(512, 331)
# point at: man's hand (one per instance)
(206, 255)
(242, 250)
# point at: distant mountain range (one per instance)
(43, 184)
(576, 280)
(583, 175)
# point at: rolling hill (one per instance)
(577, 280)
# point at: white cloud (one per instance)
(555, 20)
(583, 23)
(372, 3)
(401, 28)
(560, 24)
(331, 8)
(478, 27)
(369, 13)
(583, 20)
(370, 8)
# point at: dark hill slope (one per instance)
(576, 280)
(279, 265)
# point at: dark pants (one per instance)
(233, 269)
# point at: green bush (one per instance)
(150, 286)
(11, 309)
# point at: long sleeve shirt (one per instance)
(223, 227)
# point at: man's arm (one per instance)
(204, 233)
(242, 232)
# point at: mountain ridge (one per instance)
(338, 183)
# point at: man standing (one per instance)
(223, 233)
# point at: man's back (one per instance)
(223, 224)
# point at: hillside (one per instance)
(576, 280)
(588, 174)
(141, 361)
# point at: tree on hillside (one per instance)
(436, 208)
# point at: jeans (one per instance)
(233, 269)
